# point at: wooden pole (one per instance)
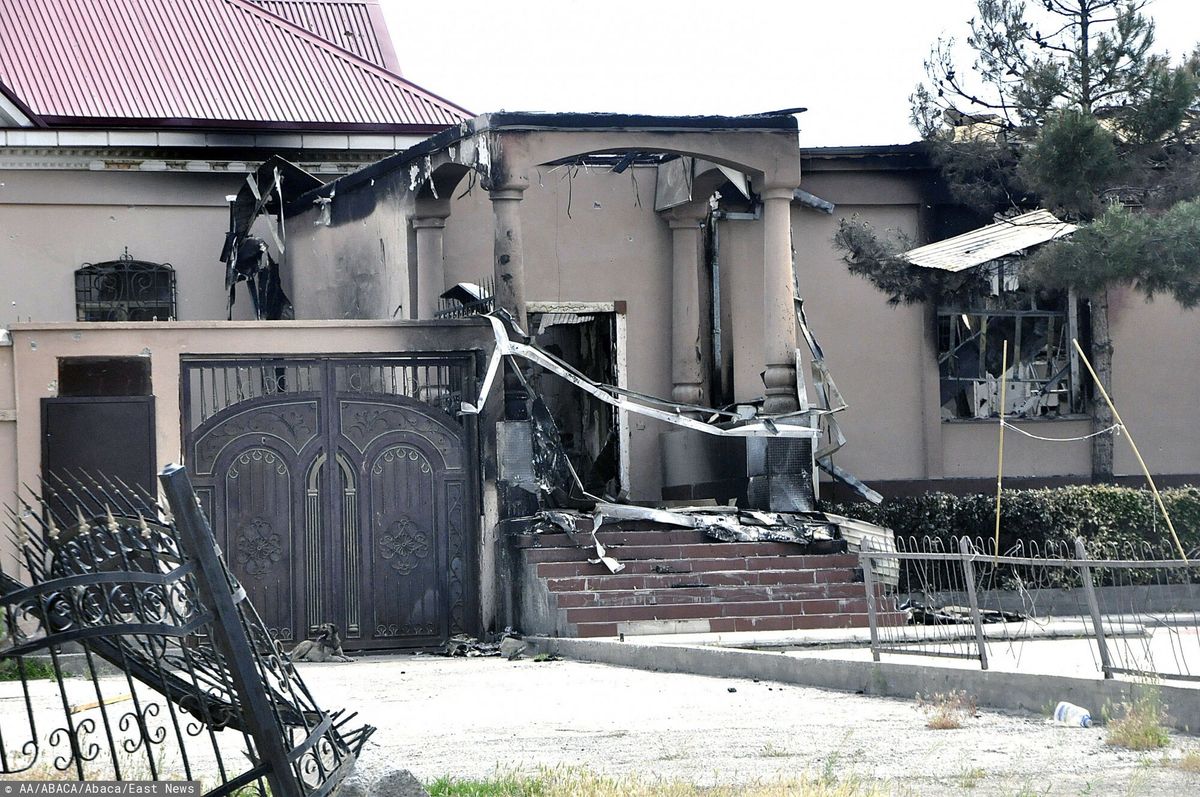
(1145, 470)
(1000, 462)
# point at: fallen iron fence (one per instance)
(1134, 606)
(180, 678)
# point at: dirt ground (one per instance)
(468, 717)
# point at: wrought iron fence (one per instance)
(201, 691)
(468, 299)
(1136, 605)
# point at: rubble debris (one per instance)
(511, 648)
(567, 523)
(462, 645)
(630, 401)
(816, 531)
(466, 646)
(246, 257)
(921, 614)
(729, 524)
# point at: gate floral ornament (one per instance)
(403, 545)
(258, 547)
(203, 686)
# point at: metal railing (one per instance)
(1137, 605)
(201, 690)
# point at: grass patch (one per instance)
(1189, 763)
(772, 750)
(1141, 726)
(508, 784)
(34, 670)
(576, 782)
(947, 711)
(969, 778)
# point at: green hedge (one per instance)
(1109, 518)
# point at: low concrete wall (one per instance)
(1036, 694)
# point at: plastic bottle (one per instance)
(1071, 714)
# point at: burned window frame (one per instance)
(964, 336)
(125, 289)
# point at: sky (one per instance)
(851, 63)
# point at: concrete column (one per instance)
(509, 272)
(687, 373)
(509, 265)
(429, 223)
(779, 314)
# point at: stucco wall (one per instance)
(1156, 381)
(52, 222)
(8, 441)
(357, 265)
(37, 348)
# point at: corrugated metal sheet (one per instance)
(354, 25)
(988, 243)
(214, 63)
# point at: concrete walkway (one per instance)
(468, 717)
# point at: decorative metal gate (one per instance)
(341, 490)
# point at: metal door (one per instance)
(112, 436)
(340, 490)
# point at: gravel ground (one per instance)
(467, 717)
(470, 717)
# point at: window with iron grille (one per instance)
(125, 290)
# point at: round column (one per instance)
(779, 313)
(429, 225)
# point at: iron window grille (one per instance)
(125, 290)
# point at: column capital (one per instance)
(506, 185)
(429, 208)
(428, 222)
(508, 192)
(777, 192)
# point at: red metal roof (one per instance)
(354, 25)
(208, 63)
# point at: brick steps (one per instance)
(575, 599)
(681, 580)
(724, 625)
(697, 611)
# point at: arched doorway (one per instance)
(341, 490)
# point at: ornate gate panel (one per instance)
(257, 507)
(340, 490)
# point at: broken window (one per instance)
(1036, 326)
(125, 290)
(587, 427)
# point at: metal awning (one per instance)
(988, 243)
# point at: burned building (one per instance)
(352, 461)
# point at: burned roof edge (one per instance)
(779, 121)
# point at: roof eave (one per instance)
(117, 122)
